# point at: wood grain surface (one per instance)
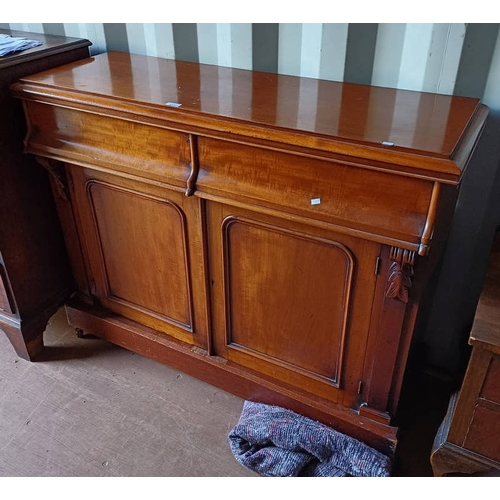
(266, 233)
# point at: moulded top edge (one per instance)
(417, 122)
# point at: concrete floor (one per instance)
(89, 408)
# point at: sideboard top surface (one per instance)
(419, 121)
(397, 127)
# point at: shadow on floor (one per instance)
(89, 408)
(423, 405)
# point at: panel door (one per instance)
(290, 300)
(143, 248)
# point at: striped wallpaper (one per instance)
(462, 59)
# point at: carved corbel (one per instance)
(400, 274)
(194, 166)
(55, 170)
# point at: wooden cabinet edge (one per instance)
(449, 458)
(370, 157)
(395, 302)
(466, 442)
(26, 335)
(61, 185)
(39, 274)
(422, 246)
(65, 44)
(466, 398)
(470, 138)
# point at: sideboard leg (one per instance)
(442, 463)
(448, 460)
(27, 342)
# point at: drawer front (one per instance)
(120, 145)
(491, 386)
(358, 198)
(482, 435)
(483, 416)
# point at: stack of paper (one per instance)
(10, 44)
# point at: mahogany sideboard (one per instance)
(266, 233)
(468, 441)
(35, 276)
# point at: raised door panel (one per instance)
(294, 272)
(148, 235)
(143, 246)
(294, 302)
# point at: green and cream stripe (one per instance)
(456, 58)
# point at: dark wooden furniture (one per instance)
(266, 233)
(468, 441)
(35, 277)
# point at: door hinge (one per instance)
(377, 265)
(360, 386)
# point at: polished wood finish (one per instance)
(34, 273)
(84, 135)
(248, 173)
(144, 251)
(283, 295)
(310, 109)
(261, 236)
(468, 439)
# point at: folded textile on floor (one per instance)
(273, 441)
(11, 44)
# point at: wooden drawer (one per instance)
(475, 424)
(491, 386)
(101, 141)
(373, 202)
(484, 428)
(482, 435)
